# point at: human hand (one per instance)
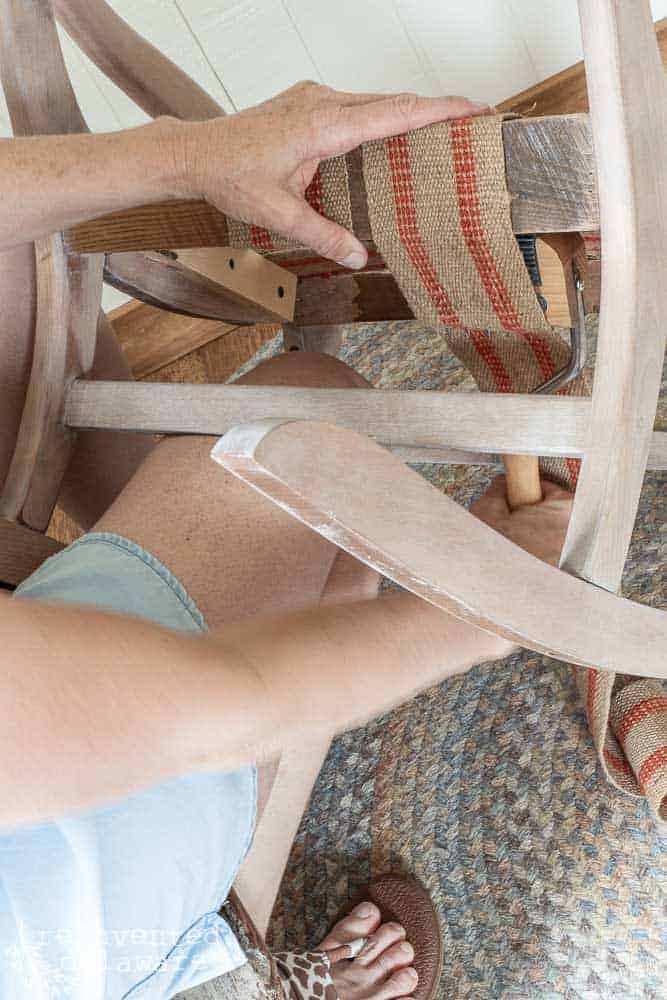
(538, 528)
(256, 165)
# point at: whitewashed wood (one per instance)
(413, 419)
(41, 101)
(628, 99)
(140, 68)
(365, 501)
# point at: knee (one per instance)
(306, 369)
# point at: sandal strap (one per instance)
(306, 975)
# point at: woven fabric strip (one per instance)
(328, 193)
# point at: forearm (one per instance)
(49, 183)
(98, 706)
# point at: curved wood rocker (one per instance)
(356, 494)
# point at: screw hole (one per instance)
(231, 263)
(281, 292)
(295, 348)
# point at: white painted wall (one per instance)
(243, 51)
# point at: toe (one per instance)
(399, 956)
(361, 922)
(401, 984)
(385, 937)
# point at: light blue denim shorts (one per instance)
(123, 901)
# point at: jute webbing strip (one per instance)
(328, 193)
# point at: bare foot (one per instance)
(382, 970)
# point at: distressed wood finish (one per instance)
(152, 338)
(152, 80)
(345, 487)
(550, 175)
(565, 93)
(171, 284)
(628, 95)
(413, 419)
(550, 169)
(22, 551)
(41, 101)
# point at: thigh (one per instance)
(236, 552)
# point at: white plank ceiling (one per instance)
(243, 51)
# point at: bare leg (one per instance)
(239, 555)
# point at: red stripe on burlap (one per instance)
(408, 230)
(618, 763)
(573, 466)
(484, 347)
(406, 218)
(473, 231)
(261, 238)
(315, 194)
(651, 765)
(638, 713)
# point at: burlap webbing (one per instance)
(439, 212)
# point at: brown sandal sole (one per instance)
(405, 901)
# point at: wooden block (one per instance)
(163, 281)
(22, 550)
(152, 338)
(246, 274)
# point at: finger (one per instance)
(298, 221)
(392, 116)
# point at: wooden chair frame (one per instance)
(571, 613)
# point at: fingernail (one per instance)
(406, 948)
(354, 260)
(412, 973)
(364, 911)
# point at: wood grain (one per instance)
(152, 338)
(171, 284)
(22, 551)
(628, 95)
(152, 80)
(467, 421)
(364, 500)
(40, 100)
(550, 176)
(566, 93)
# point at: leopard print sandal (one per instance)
(307, 975)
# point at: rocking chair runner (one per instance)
(573, 613)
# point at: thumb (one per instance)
(302, 223)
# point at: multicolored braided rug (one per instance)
(549, 881)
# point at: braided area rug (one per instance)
(549, 882)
